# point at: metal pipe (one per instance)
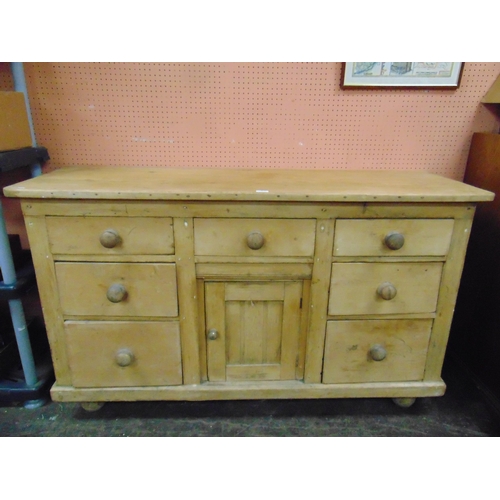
(20, 86)
(16, 307)
(6, 262)
(23, 341)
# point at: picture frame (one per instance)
(407, 75)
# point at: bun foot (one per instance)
(404, 402)
(91, 406)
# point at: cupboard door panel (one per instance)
(216, 325)
(257, 329)
(253, 332)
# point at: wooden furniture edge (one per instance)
(211, 184)
(250, 390)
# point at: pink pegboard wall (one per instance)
(254, 115)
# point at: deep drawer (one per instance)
(376, 350)
(392, 237)
(110, 289)
(384, 288)
(123, 354)
(110, 235)
(255, 237)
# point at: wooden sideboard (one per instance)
(200, 284)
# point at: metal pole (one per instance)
(20, 86)
(16, 307)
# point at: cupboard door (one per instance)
(252, 330)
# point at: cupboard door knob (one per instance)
(378, 352)
(116, 293)
(124, 357)
(387, 291)
(394, 241)
(255, 240)
(212, 334)
(109, 238)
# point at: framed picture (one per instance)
(417, 75)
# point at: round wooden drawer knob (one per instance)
(255, 240)
(116, 293)
(387, 291)
(394, 241)
(378, 353)
(109, 238)
(124, 357)
(213, 334)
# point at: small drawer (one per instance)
(392, 237)
(255, 237)
(110, 235)
(105, 289)
(384, 288)
(123, 354)
(376, 350)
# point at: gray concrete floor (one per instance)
(462, 411)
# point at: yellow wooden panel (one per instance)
(154, 346)
(317, 313)
(253, 372)
(233, 338)
(151, 289)
(210, 184)
(14, 125)
(253, 270)
(282, 237)
(215, 320)
(366, 237)
(137, 235)
(291, 330)
(202, 338)
(450, 284)
(354, 288)
(280, 389)
(348, 344)
(253, 331)
(272, 331)
(49, 296)
(493, 94)
(304, 321)
(255, 291)
(258, 325)
(188, 307)
(262, 210)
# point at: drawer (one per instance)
(376, 350)
(255, 237)
(123, 354)
(111, 289)
(392, 237)
(110, 235)
(384, 288)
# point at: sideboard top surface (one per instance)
(229, 184)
